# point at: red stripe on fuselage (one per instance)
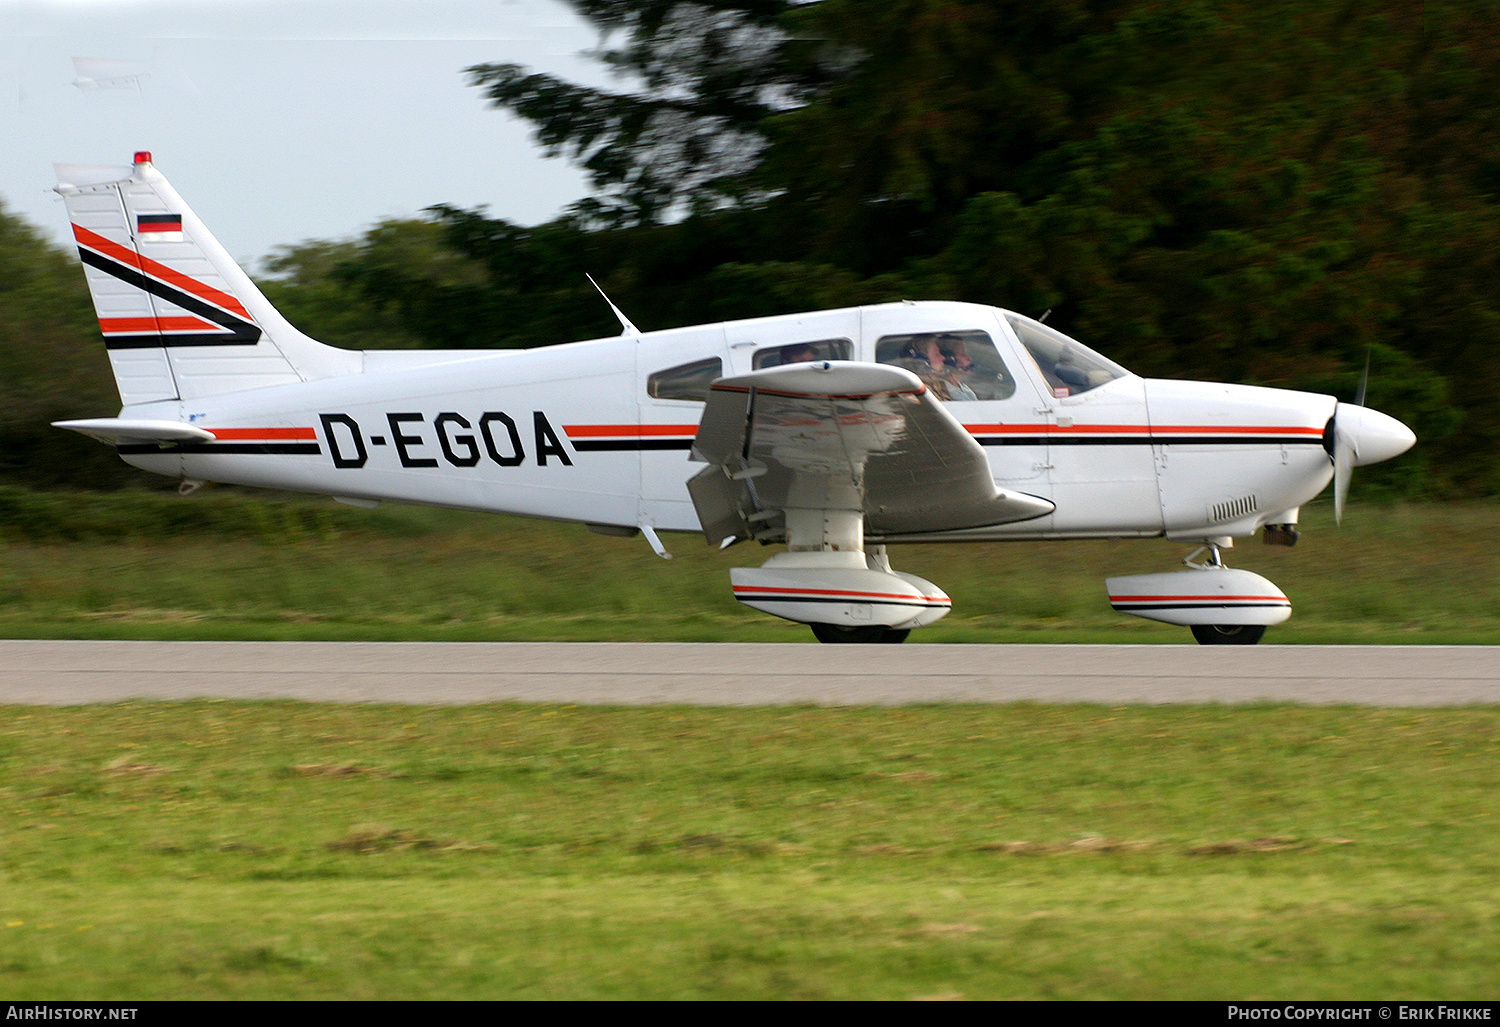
(587, 431)
(264, 433)
(633, 431)
(1140, 429)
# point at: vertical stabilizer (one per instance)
(179, 317)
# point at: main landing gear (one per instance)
(831, 581)
(866, 635)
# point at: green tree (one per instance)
(1253, 190)
(710, 70)
(53, 367)
(394, 287)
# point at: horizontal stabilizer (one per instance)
(114, 431)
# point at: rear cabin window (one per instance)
(801, 352)
(954, 365)
(686, 381)
(1069, 366)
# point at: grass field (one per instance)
(284, 850)
(280, 850)
(226, 565)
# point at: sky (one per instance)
(285, 120)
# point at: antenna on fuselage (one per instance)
(625, 325)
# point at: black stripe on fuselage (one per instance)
(1164, 440)
(242, 332)
(625, 445)
(278, 448)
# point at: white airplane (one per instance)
(835, 433)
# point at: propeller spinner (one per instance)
(1361, 436)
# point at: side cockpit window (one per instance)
(801, 352)
(686, 381)
(954, 365)
(1069, 367)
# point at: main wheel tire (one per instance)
(835, 633)
(1228, 634)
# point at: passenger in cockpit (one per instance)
(924, 357)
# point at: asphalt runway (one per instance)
(732, 674)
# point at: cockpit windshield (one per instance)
(1070, 367)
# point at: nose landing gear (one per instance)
(1228, 634)
(1220, 634)
(1220, 605)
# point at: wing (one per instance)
(841, 435)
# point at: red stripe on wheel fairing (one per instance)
(755, 591)
(1200, 599)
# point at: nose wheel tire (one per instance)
(1228, 634)
(877, 634)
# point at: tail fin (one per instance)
(180, 318)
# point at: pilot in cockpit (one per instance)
(926, 357)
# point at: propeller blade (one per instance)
(1343, 468)
(1344, 451)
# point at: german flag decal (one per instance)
(146, 224)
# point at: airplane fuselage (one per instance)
(573, 432)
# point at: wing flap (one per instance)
(836, 435)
